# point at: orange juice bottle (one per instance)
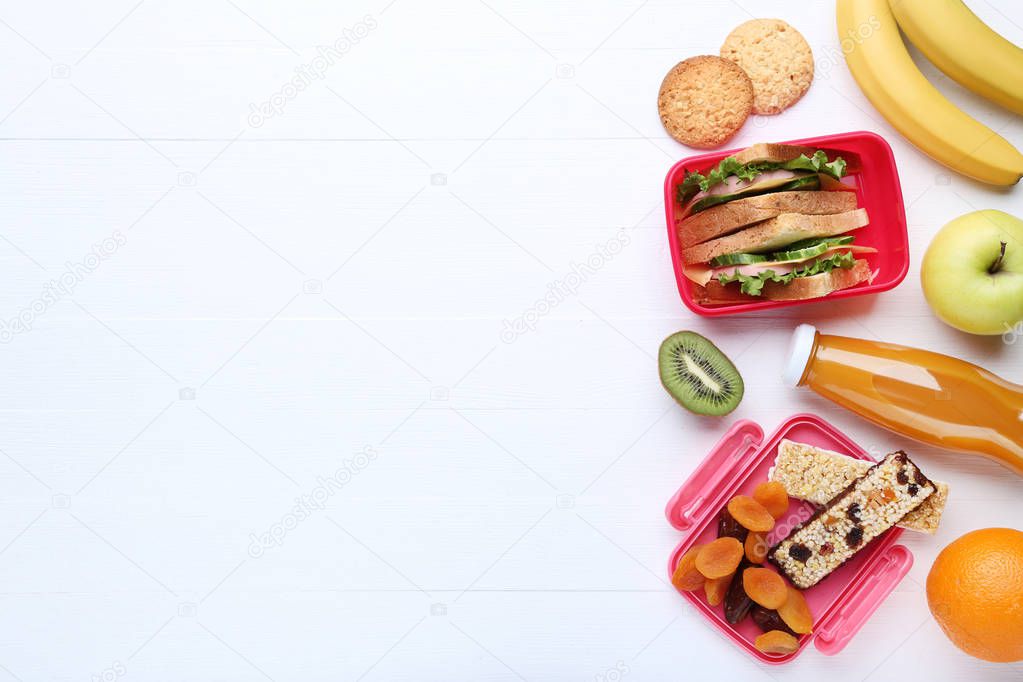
(931, 397)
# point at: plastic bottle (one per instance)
(934, 398)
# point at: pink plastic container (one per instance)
(842, 602)
(871, 171)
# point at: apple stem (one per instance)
(997, 265)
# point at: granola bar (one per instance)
(871, 504)
(817, 475)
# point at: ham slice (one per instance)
(733, 184)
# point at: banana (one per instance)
(891, 81)
(965, 48)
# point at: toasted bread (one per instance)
(727, 218)
(799, 289)
(777, 233)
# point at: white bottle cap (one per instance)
(800, 347)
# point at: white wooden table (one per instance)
(321, 289)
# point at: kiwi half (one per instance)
(699, 376)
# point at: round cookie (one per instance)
(704, 101)
(777, 59)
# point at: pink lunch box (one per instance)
(843, 601)
(876, 180)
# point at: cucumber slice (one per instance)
(738, 259)
(831, 241)
(800, 182)
(801, 254)
(808, 248)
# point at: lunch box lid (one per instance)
(733, 460)
(877, 190)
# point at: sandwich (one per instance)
(772, 222)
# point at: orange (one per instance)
(975, 592)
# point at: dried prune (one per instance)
(913, 489)
(756, 548)
(768, 619)
(901, 477)
(800, 552)
(854, 537)
(686, 576)
(796, 613)
(773, 497)
(715, 589)
(737, 602)
(765, 587)
(853, 512)
(728, 527)
(751, 514)
(776, 642)
(719, 558)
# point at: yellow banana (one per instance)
(965, 48)
(891, 81)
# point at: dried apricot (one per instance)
(776, 642)
(773, 496)
(686, 577)
(715, 589)
(756, 548)
(765, 587)
(796, 613)
(719, 558)
(751, 514)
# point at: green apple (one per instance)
(972, 273)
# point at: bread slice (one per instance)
(777, 233)
(726, 218)
(799, 289)
(767, 151)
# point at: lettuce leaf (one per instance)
(753, 285)
(697, 182)
(818, 163)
